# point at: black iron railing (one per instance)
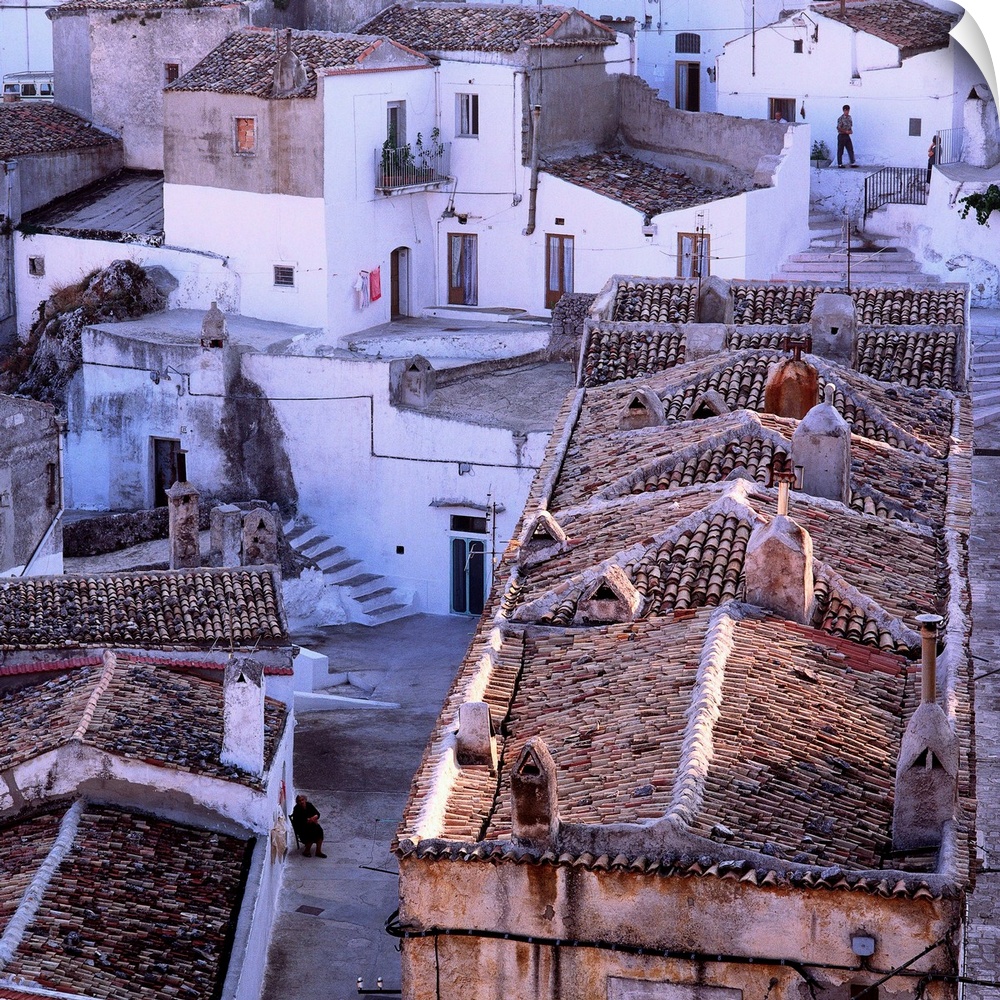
(895, 186)
(410, 166)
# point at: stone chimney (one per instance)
(476, 741)
(927, 769)
(214, 332)
(226, 526)
(821, 446)
(833, 325)
(778, 566)
(182, 513)
(260, 538)
(243, 714)
(289, 73)
(792, 388)
(543, 539)
(534, 796)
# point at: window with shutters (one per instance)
(246, 135)
(692, 255)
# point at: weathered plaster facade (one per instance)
(110, 64)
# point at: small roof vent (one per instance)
(611, 598)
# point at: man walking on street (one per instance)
(845, 127)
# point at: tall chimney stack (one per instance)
(928, 657)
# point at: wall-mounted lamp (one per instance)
(648, 229)
(710, 70)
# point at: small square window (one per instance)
(171, 71)
(915, 126)
(467, 114)
(284, 276)
(36, 266)
(246, 135)
(797, 46)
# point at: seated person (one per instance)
(305, 823)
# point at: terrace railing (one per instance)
(951, 145)
(895, 186)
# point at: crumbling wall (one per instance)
(253, 442)
(568, 318)
(51, 355)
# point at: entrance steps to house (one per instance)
(368, 598)
(872, 262)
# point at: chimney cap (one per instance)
(928, 620)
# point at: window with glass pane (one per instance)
(467, 114)
(693, 259)
(558, 267)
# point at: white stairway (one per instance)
(826, 259)
(368, 598)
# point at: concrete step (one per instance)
(390, 612)
(374, 595)
(343, 566)
(360, 579)
(325, 554)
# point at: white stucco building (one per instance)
(893, 61)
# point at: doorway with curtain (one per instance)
(463, 269)
(687, 95)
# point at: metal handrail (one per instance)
(896, 186)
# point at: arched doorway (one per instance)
(399, 284)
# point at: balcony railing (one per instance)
(411, 166)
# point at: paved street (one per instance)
(355, 766)
(983, 933)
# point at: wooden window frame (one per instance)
(467, 116)
(700, 254)
(558, 279)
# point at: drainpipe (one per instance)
(928, 650)
(536, 114)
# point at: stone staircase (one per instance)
(873, 262)
(368, 598)
(986, 375)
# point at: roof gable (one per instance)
(912, 27)
(244, 63)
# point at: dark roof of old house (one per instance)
(912, 27)
(754, 747)
(244, 62)
(28, 129)
(169, 609)
(907, 335)
(130, 709)
(442, 27)
(137, 6)
(646, 188)
(130, 906)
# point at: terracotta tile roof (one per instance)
(161, 609)
(28, 129)
(244, 62)
(23, 847)
(788, 302)
(646, 188)
(911, 27)
(133, 710)
(137, 908)
(136, 6)
(443, 27)
(628, 709)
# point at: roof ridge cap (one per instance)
(110, 662)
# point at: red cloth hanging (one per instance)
(375, 284)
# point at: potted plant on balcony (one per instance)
(428, 156)
(820, 154)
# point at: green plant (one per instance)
(427, 156)
(820, 150)
(983, 203)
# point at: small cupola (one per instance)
(792, 387)
(417, 382)
(543, 539)
(476, 740)
(927, 769)
(289, 72)
(534, 796)
(778, 565)
(610, 599)
(643, 409)
(821, 447)
(243, 714)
